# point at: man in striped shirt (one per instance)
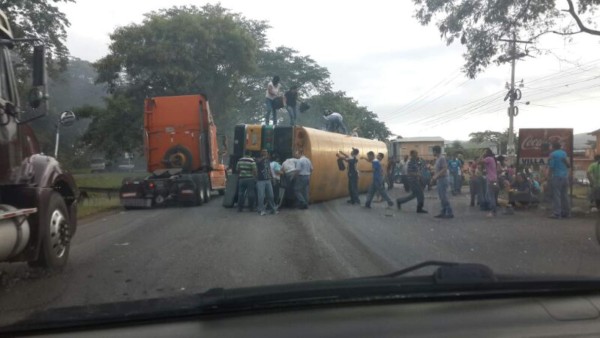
(247, 172)
(413, 171)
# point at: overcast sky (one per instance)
(379, 54)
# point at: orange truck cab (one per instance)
(180, 144)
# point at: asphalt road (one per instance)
(163, 252)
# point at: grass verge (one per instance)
(100, 202)
(97, 203)
(104, 180)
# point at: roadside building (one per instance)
(401, 147)
(583, 153)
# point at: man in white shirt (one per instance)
(305, 168)
(270, 96)
(276, 173)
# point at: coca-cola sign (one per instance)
(535, 145)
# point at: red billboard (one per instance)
(535, 145)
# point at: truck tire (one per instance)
(201, 193)
(55, 244)
(199, 190)
(206, 188)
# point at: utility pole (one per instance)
(510, 148)
(513, 95)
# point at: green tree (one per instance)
(71, 88)
(499, 139)
(38, 19)
(355, 116)
(113, 130)
(480, 24)
(184, 50)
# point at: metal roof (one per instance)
(419, 139)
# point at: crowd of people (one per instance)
(487, 175)
(259, 180)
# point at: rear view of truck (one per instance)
(180, 144)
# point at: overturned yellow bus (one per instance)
(327, 181)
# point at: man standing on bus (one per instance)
(270, 96)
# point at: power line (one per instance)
(486, 105)
(451, 77)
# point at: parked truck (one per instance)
(180, 144)
(38, 205)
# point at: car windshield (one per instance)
(252, 143)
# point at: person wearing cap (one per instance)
(334, 122)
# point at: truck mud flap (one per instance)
(229, 198)
(136, 202)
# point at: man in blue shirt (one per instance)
(352, 161)
(441, 176)
(377, 184)
(558, 164)
(454, 167)
(264, 183)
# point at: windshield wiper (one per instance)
(450, 272)
(449, 281)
